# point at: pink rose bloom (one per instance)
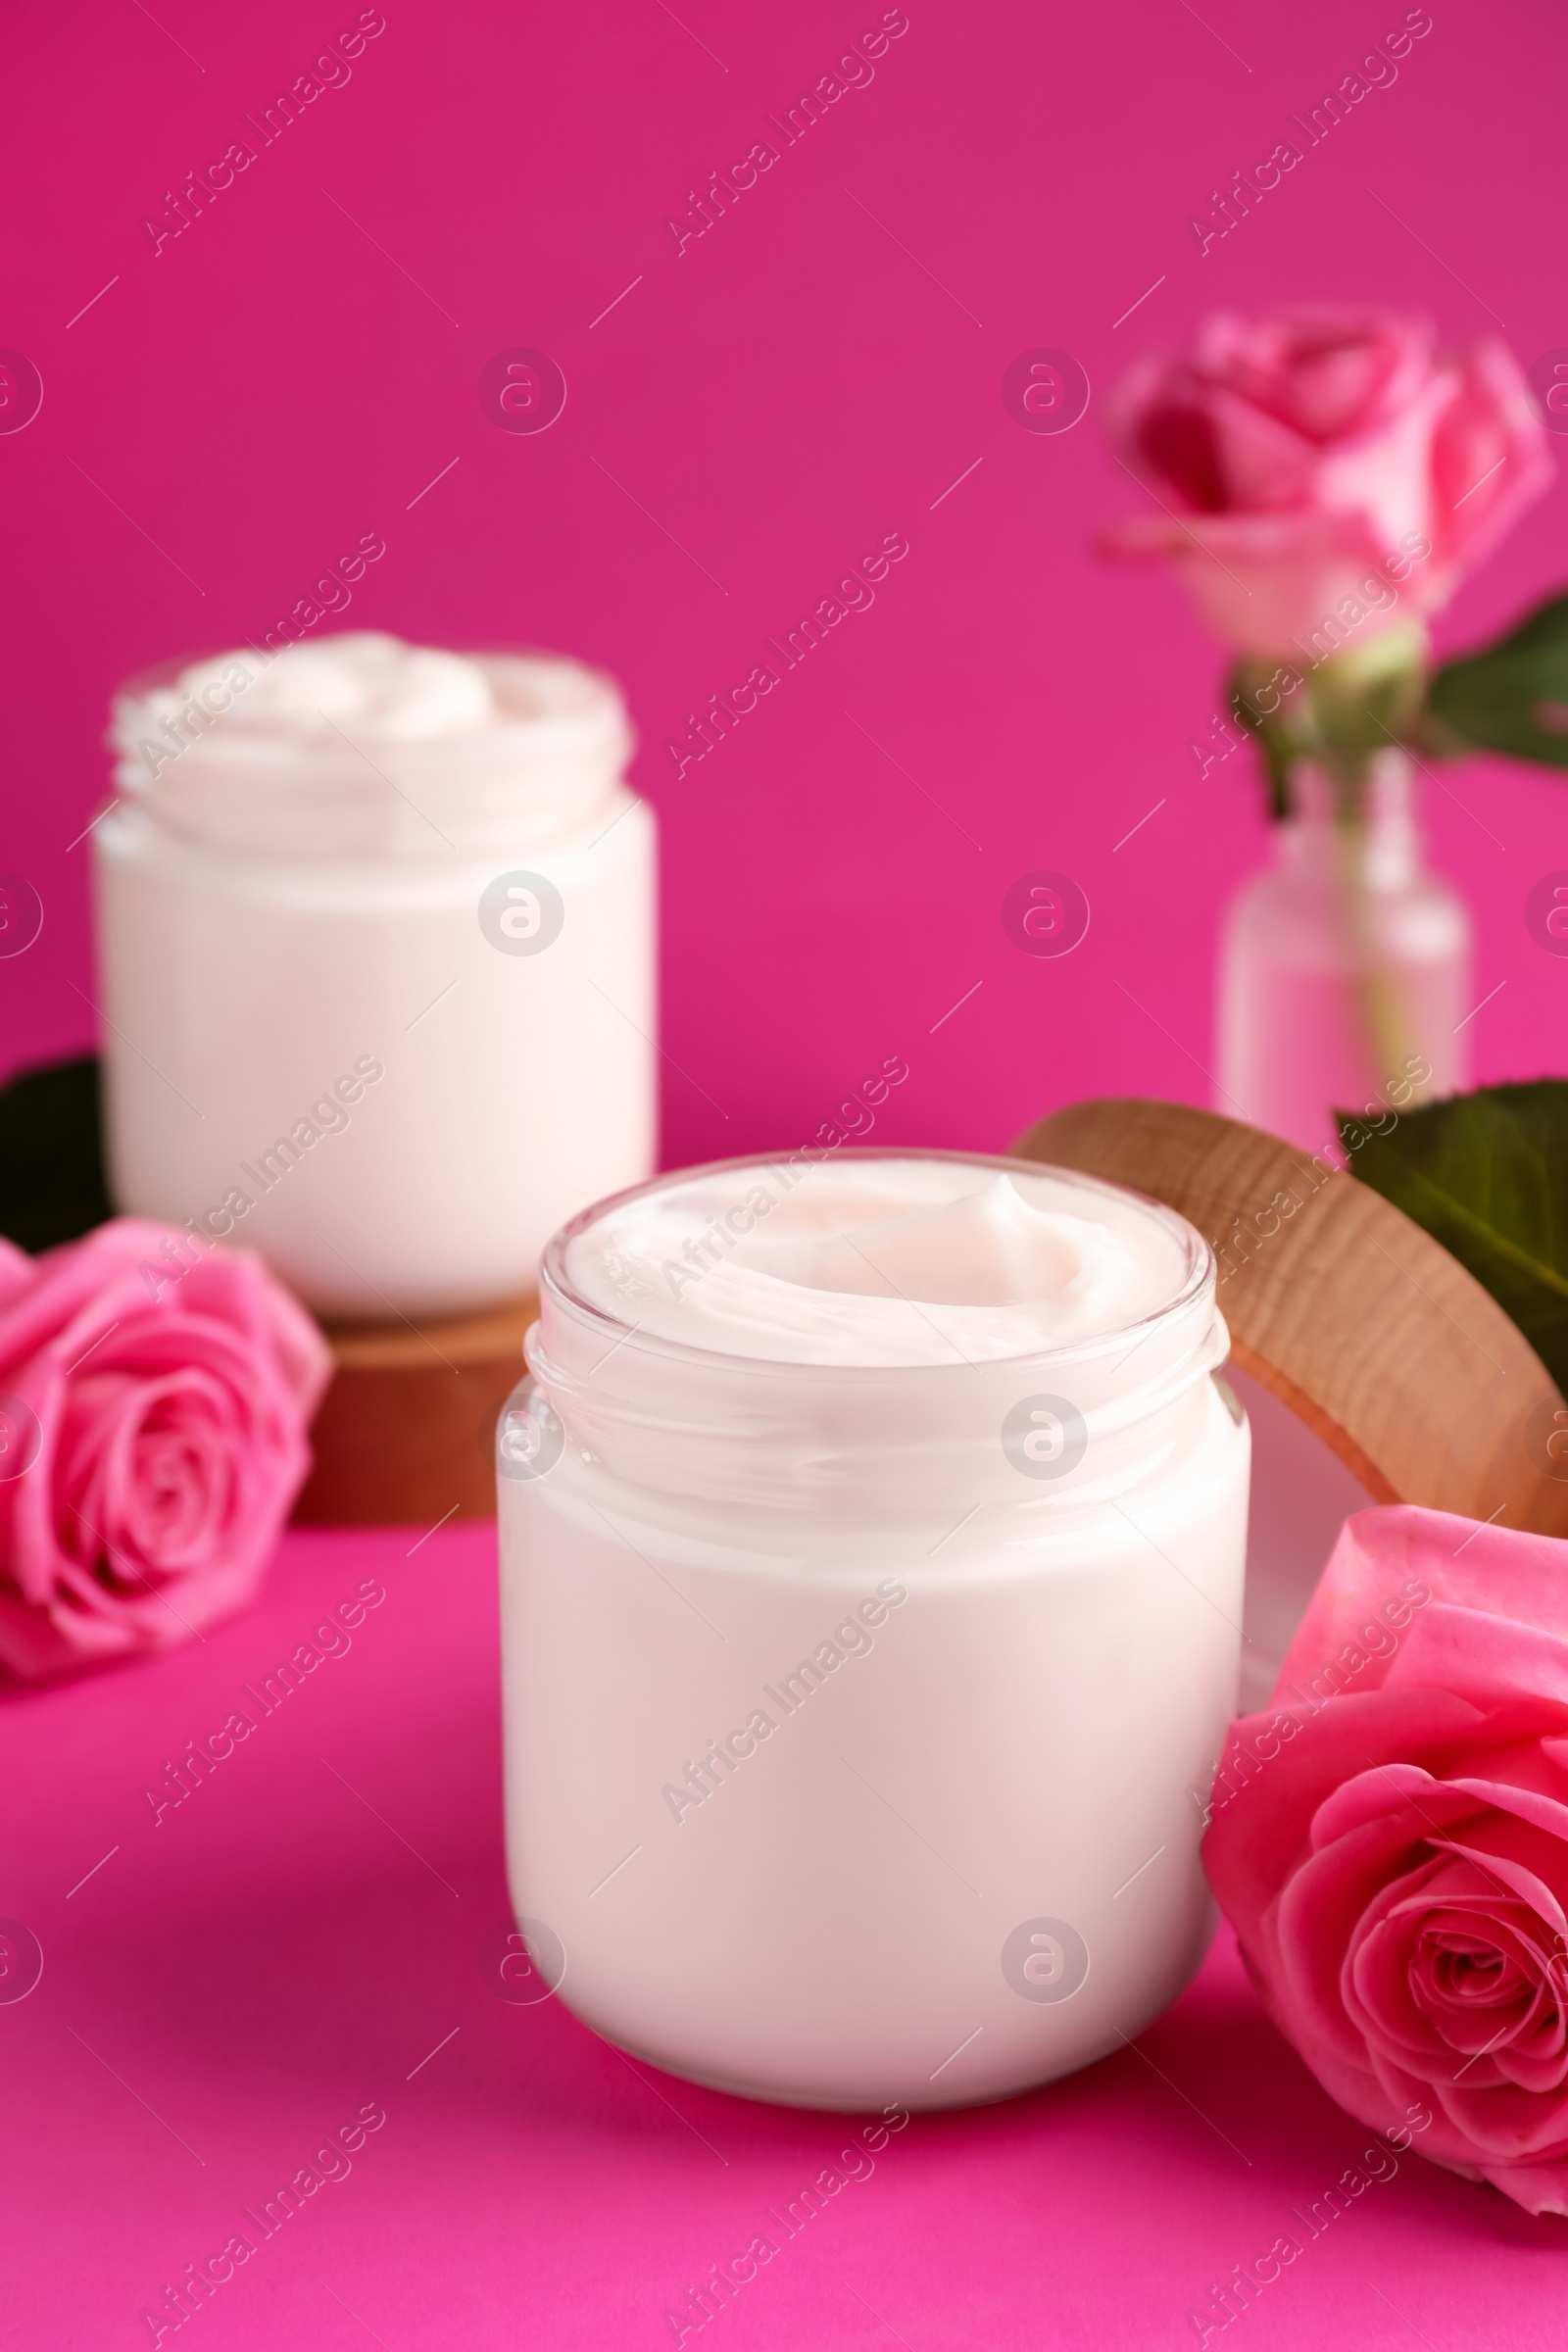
(1323, 465)
(1389, 1841)
(154, 1398)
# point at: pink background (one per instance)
(779, 396)
(225, 419)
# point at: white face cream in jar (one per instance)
(375, 934)
(872, 1537)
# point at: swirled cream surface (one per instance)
(374, 685)
(357, 741)
(877, 1261)
(363, 679)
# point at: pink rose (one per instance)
(1390, 1840)
(154, 1398)
(1325, 467)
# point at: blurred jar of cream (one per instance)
(872, 1537)
(375, 937)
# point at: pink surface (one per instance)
(751, 416)
(232, 1984)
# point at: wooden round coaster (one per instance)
(1347, 1311)
(406, 1433)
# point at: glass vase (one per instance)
(1344, 977)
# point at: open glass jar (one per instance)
(859, 1714)
(375, 936)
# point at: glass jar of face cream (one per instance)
(872, 1536)
(376, 933)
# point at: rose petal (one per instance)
(171, 1388)
(1385, 458)
(1396, 1857)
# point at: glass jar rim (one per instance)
(1198, 1273)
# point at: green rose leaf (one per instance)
(52, 1184)
(1511, 698)
(1487, 1175)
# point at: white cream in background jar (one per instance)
(871, 1547)
(375, 930)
